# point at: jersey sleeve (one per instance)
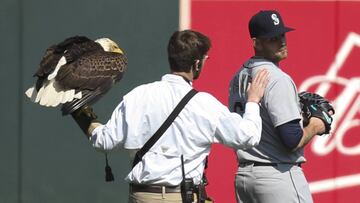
(281, 101)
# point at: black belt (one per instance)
(263, 164)
(154, 188)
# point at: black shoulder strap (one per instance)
(139, 154)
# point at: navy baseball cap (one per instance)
(267, 24)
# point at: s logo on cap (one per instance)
(275, 19)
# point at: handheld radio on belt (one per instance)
(187, 186)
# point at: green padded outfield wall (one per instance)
(44, 157)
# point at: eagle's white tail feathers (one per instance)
(67, 96)
(39, 94)
(78, 95)
(31, 93)
(48, 96)
(51, 95)
(61, 62)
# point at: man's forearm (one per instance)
(315, 127)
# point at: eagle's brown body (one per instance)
(80, 65)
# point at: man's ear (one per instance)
(256, 43)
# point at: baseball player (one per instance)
(271, 172)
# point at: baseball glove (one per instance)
(314, 105)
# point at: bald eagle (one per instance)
(76, 72)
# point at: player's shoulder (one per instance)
(257, 64)
(254, 62)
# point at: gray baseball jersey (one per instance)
(279, 105)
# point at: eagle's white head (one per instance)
(109, 45)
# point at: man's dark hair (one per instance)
(185, 47)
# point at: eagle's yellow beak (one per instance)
(109, 45)
(117, 50)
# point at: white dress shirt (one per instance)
(203, 121)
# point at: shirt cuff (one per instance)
(252, 107)
(95, 132)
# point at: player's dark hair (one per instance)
(185, 47)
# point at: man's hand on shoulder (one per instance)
(257, 86)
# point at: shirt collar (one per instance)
(176, 79)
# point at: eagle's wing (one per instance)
(49, 61)
(78, 50)
(93, 74)
(55, 52)
(47, 65)
(68, 42)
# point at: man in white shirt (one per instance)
(203, 121)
